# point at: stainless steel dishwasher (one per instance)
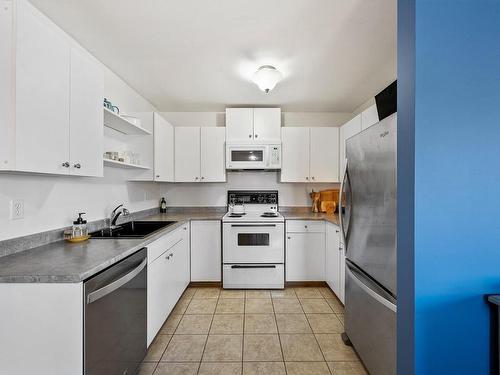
(115, 317)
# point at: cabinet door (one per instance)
(206, 250)
(324, 155)
(86, 115)
(161, 296)
(305, 257)
(213, 165)
(42, 94)
(239, 125)
(348, 130)
(180, 263)
(295, 155)
(267, 125)
(163, 150)
(332, 271)
(369, 117)
(187, 154)
(341, 294)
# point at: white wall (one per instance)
(52, 202)
(215, 194)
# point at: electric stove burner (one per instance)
(236, 215)
(269, 214)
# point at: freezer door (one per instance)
(371, 231)
(370, 322)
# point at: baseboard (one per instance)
(298, 284)
(205, 284)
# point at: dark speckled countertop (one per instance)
(64, 262)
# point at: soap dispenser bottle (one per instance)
(80, 227)
(163, 205)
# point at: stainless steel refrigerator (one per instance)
(368, 227)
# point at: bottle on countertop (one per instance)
(163, 205)
(79, 228)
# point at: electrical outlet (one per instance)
(17, 209)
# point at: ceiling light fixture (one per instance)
(266, 77)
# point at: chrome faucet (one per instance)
(120, 210)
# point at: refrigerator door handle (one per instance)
(372, 293)
(341, 194)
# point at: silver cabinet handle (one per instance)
(307, 178)
(249, 135)
(185, 228)
(157, 176)
(289, 238)
(203, 178)
(77, 165)
(65, 164)
(313, 177)
(305, 226)
(105, 290)
(196, 178)
(256, 135)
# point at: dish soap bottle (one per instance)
(80, 227)
(163, 206)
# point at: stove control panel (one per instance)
(252, 197)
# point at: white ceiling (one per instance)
(199, 55)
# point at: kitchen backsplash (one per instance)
(214, 194)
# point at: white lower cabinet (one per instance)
(305, 250)
(335, 260)
(168, 276)
(206, 249)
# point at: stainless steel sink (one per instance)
(132, 229)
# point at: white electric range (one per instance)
(254, 241)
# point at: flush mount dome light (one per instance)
(266, 77)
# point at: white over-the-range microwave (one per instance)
(253, 156)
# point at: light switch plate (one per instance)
(16, 209)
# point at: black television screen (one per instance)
(387, 101)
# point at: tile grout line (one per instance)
(279, 337)
(208, 333)
(244, 320)
(314, 334)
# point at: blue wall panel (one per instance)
(457, 182)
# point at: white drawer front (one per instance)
(254, 276)
(305, 226)
(158, 247)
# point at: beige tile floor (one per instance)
(211, 331)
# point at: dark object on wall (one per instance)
(387, 101)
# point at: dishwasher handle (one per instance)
(111, 287)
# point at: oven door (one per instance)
(253, 242)
(247, 157)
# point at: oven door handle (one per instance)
(111, 287)
(252, 225)
(253, 266)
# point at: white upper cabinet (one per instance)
(87, 87)
(163, 150)
(42, 94)
(295, 154)
(310, 154)
(349, 129)
(369, 117)
(253, 125)
(187, 154)
(53, 125)
(239, 125)
(213, 166)
(324, 154)
(267, 125)
(199, 154)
